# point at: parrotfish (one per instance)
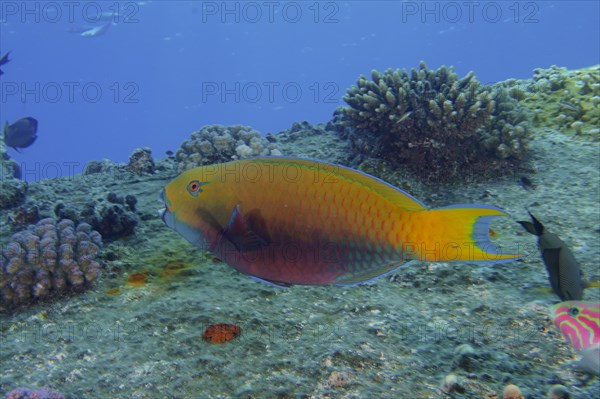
(579, 323)
(297, 221)
(564, 273)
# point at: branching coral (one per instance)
(428, 120)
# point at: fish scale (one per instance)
(297, 221)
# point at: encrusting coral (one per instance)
(432, 122)
(216, 144)
(48, 259)
(564, 100)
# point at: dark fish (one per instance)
(563, 269)
(3, 60)
(20, 134)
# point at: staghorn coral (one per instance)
(216, 143)
(431, 122)
(48, 259)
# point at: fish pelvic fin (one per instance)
(458, 233)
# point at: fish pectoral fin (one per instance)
(240, 233)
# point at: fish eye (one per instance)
(573, 312)
(193, 187)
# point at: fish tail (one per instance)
(459, 233)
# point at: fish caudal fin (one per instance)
(458, 233)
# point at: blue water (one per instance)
(164, 69)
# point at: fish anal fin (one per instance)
(279, 284)
(240, 231)
(354, 279)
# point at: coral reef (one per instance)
(103, 166)
(8, 167)
(432, 122)
(451, 384)
(114, 221)
(141, 162)
(25, 393)
(558, 392)
(562, 99)
(24, 215)
(318, 141)
(48, 259)
(216, 144)
(12, 193)
(114, 218)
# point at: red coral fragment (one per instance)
(220, 333)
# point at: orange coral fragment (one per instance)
(220, 333)
(172, 268)
(113, 291)
(137, 279)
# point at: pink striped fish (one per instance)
(579, 323)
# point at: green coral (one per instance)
(564, 100)
(431, 121)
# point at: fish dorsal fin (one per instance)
(240, 233)
(528, 226)
(535, 227)
(330, 173)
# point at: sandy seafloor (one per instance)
(396, 337)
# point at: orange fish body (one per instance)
(296, 221)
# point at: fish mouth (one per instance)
(162, 212)
(165, 213)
